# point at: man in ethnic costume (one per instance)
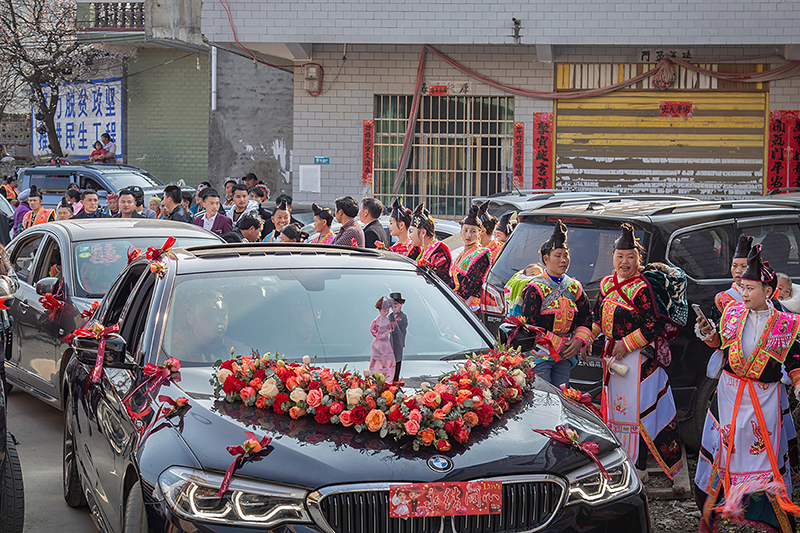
(557, 303)
(637, 405)
(435, 254)
(470, 267)
(743, 471)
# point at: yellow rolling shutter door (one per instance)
(619, 142)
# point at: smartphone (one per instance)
(699, 312)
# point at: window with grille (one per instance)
(462, 149)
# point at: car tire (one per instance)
(12, 514)
(135, 514)
(71, 479)
(692, 429)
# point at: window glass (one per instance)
(50, 183)
(90, 182)
(309, 312)
(98, 263)
(115, 304)
(590, 250)
(119, 179)
(50, 265)
(704, 253)
(23, 257)
(780, 242)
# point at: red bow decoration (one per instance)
(250, 448)
(584, 399)
(569, 437)
(354, 242)
(157, 375)
(541, 335)
(177, 405)
(86, 313)
(97, 332)
(52, 304)
(3, 305)
(154, 253)
(133, 254)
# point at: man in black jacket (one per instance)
(90, 202)
(172, 199)
(371, 209)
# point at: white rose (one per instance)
(298, 395)
(269, 389)
(223, 374)
(354, 396)
(487, 394)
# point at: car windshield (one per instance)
(324, 313)
(119, 179)
(590, 250)
(98, 263)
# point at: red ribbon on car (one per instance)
(250, 448)
(584, 399)
(157, 375)
(97, 332)
(133, 254)
(154, 253)
(569, 437)
(86, 313)
(52, 304)
(541, 335)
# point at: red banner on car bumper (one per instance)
(445, 499)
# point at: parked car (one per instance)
(12, 492)
(53, 180)
(699, 237)
(527, 199)
(77, 260)
(316, 477)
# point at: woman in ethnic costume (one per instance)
(743, 471)
(470, 267)
(506, 225)
(557, 303)
(37, 214)
(637, 406)
(323, 218)
(399, 222)
(489, 223)
(435, 254)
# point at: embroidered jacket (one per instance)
(436, 256)
(273, 236)
(44, 215)
(494, 248)
(327, 240)
(626, 311)
(468, 274)
(559, 308)
(405, 248)
(776, 341)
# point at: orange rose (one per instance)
(431, 399)
(465, 383)
(370, 401)
(292, 382)
(463, 395)
(388, 396)
(439, 414)
(295, 412)
(442, 445)
(415, 415)
(256, 383)
(375, 420)
(344, 418)
(314, 398)
(252, 446)
(470, 419)
(412, 427)
(427, 436)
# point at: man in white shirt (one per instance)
(212, 220)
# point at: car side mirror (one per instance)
(45, 285)
(114, 355)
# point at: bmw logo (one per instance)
(440, 464)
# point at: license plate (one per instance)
(458, 498)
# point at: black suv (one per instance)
(699, 237)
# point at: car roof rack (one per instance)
(726, 204)
(594, 204)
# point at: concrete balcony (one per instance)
(111, 16)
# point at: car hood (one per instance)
(307, 454)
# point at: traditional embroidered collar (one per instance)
(557, 280)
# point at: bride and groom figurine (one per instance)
(389, 330)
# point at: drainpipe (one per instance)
(213, 78)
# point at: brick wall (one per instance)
(167, 114)
(595, 22)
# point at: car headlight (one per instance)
(193, 494)
(587, 485)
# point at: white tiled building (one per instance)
(464, 143)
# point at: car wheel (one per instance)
(135, 515)
(692, 429)
(12, 513)
(73, 490)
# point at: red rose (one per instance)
(411, 403)
(232, 385)
(462, 435)
(260, 374)
(442, 445)
(448, 397)
(477, 391)
(454, 426)
(313, 385)
(358, 414)
(396, 416)
(280, 399)
(227, 365)
(261, 403)
(485, 415)
(323, 415)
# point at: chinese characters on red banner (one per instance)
(783, 154)
(366, 162)
(438, 90)
(542, 150)
(457, 498)
(519, 154)
(676, 109)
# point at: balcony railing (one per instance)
(111, 16)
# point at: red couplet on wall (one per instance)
(676, 109)
(519, 154)
(542, 150)
(366, 162)
(456, 498)
(438, 90)
(783, 153)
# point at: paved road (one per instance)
(39, 430)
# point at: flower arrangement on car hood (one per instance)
(475, 392)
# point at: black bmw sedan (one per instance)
(142, 465)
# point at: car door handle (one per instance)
(23, 305)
